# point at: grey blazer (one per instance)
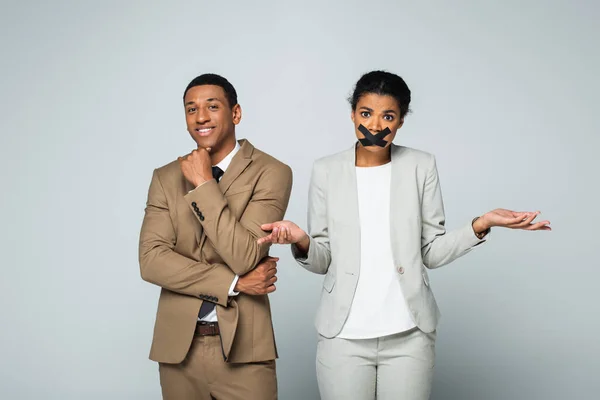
(419, 238)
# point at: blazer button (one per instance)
(400, 270)
(194, 204)
(201, 217)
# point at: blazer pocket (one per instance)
(238, 189)
(329, 282)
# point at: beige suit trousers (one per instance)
(204, 375)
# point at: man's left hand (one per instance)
(197, 166)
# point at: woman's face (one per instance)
(376, 113)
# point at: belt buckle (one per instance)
(208, 328)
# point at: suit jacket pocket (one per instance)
(329, 282)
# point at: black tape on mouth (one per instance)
(373, 140)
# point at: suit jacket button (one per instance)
(201, 217)
(400, 270)
(194, 204)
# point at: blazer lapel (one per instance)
(402, 186)
(348, 192)
(239, 163)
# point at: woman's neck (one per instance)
(366, 158)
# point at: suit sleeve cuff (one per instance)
(297, 254)
(206, 201)
(203, 183)
(471, 237)
(232, 292)
(305, 258)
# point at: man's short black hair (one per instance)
(217, 80)
(382, 83)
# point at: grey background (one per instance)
(504, 94)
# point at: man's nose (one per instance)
(202, 116)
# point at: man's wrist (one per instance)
(200, 181)
(239, 286)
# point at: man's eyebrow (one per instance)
(211, 99)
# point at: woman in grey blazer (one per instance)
(375, 225)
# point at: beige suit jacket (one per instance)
(192, 244)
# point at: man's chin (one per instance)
(205, 141)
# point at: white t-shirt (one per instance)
(378, 308)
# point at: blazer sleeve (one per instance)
(439, 247)
(236, 241)
(162, 266)
(318, 258)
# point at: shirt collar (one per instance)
(224, 164)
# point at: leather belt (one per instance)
(207, 328)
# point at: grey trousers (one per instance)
(398, 367)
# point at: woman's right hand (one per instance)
(283, 232)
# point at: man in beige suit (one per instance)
(213, 337)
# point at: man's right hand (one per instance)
(261, 280)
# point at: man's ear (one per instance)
(237, 114)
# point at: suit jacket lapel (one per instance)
(239, 163)
(348, 190)
(400, 188)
